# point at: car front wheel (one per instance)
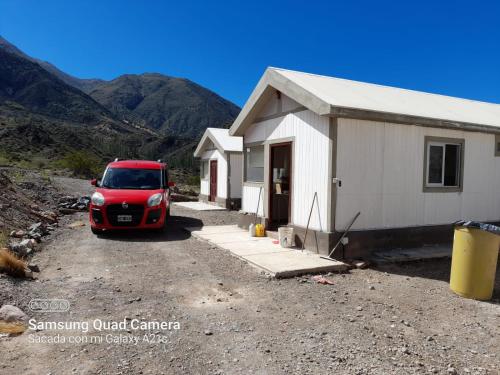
(96, 231)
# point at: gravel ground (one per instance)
(399, 319)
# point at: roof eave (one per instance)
(356, 113)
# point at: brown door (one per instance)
(213, 180)
(280, 177)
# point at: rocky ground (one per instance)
(397, 319)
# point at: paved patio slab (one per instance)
(264, 254)
(199, 206)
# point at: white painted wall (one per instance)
(309, 163)
(204, 187)
(381, 168)
(236, 174)
(221, 173)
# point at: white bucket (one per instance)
(286, 237)
(251, 230)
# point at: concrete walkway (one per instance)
(199, 206)
(264, 254)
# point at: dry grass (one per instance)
(3, 239)
(12, 327)
(11, 264)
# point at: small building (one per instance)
(412, 163)
(220, 167)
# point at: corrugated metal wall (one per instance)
(381, 168)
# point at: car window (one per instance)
(132, 178)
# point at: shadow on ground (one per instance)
(436, 269)
(173, 232)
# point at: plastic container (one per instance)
(474, 259)
(260, 230)
(251, 230)
(286, 237)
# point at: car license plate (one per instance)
(124, 218)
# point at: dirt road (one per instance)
(394, 320)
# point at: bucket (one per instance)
(286, 237)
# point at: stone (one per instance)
(208, 332)
(29, 243)
(360, 264)
(34, 267)
(11, 313)
(18, 233)
(35, 227)
(21, 250)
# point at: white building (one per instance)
(411, 163)
(220, 168)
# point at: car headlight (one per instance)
(97, 199)
(155, 200)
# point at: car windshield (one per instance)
(132, 178)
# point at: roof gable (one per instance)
(221, 139)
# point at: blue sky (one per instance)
(447, 47)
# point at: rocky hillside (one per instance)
(173, 106)
(40, 114)
(35, 89)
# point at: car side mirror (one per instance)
(93, 182)
(171, 184)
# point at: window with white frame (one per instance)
(204, 169)
(254, 159)
(443, 163)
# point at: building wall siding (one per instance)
(250, 198)
(381, 168)
(221, 173)
(236, 174)
(309, 163)
(205, 187)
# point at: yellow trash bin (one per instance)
(474, 259)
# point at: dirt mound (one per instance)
(26, 197)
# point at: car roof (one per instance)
(138, 164)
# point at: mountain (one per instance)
(84, 85)
(47, 113)
(28, 84)
(42, 115)
(173, 106)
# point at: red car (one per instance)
(133, 194)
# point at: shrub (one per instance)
(82, 164)
(193, 180)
